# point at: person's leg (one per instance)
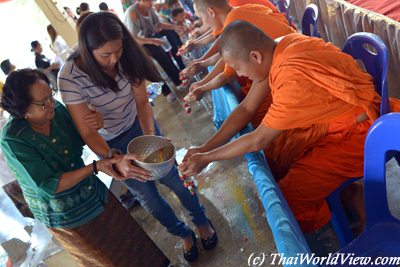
(154, 203)
(189, 201)
(147, 193)
(165, 62)
(175, 42)
(320, 172)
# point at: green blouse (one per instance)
(38, 161)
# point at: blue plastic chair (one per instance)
(381, 236)
(283, 7)
(310, 18)
(376, 63)
(376, 66)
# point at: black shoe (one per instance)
(210, 243)
(191, 254)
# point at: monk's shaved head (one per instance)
(202, 5)
(240, 38)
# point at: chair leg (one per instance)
(339, 220)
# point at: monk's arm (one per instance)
(257, 140)
(211, 51)
(218, 69)
(211, 61)
(252, 142)
(240, 116)
(204, 39)
(218, 81)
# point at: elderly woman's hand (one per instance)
(128, 170)
(106, 166)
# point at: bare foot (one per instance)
(353, 199)
(187, 242)
(206, 231)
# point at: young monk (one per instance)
(210, 36)
(322, 107)
(213, 34)
(218, 14)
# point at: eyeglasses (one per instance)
(46, 102)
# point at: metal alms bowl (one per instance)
(155, 154)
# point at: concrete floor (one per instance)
(225, 189)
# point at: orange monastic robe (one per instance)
(272, 24)
(266, 3)
(319, 98)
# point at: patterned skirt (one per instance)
(112, 239)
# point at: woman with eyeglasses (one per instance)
(43, 149)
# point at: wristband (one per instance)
(95, 167)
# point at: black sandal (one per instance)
(191, 254)
(210, 243)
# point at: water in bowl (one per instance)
(159, 156)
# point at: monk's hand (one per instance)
(128, 170)
(192, 69)
(195, 67)
(195, 92)
(183, 75)
(193, 165)
(192, 151)
(94, 119)
(184, 49)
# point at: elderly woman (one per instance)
(43, 149)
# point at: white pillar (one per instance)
(59, 19)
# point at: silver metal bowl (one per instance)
(155, 154)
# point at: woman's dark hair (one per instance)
(15, 97)
(176, 11)
(6, 66)
(82, 8)
(101, 27)
(103, 6)
(52, 33)
(80, 20)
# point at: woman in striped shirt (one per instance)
(109, 73)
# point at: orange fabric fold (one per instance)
(267, 3)
(271, 23)
(245, 85)
(317, 94)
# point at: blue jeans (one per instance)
(150, 198)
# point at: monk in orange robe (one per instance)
(322, 107)
(208, 37)
(218, 14)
